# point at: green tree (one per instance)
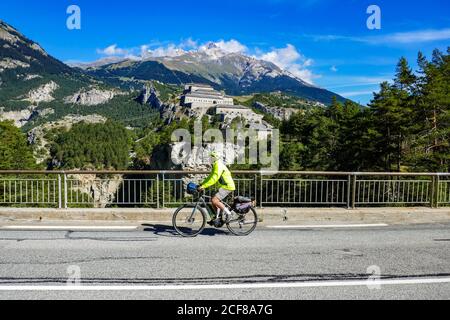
(315, 130)
(144, 149)
(92, 146)
(389, 117)
(431, 143)
(15, 153)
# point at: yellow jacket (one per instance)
(221, 176)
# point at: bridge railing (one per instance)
(157, 189)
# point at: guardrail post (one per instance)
(65, 191)
(432, 191)
(435, 192)
(438, 188)
(256, 188)
(349, 182)
(59, 192)
(157, 191)
(163, 191)
(353, 204)
(438, 191)
(260, 190)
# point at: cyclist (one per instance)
(221, 176)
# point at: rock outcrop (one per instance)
(92, 97)
(43, 93)
(101, 191)
(150, 96)
(31, 77)
(22, 117)
(45, 112)
(9, 63)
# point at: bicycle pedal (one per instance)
(218, 223)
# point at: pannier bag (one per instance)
(242, 205)
(191, 188)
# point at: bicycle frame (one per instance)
(207, 205)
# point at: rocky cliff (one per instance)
(42, 93)
(22, 117)
(92, 97)
(278, 112)
(101, 191)
(168, 111)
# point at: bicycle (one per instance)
(189, 220)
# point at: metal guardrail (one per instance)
(444, 192)
(393, 191)
(157, 189)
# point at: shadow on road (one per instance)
(169, 231)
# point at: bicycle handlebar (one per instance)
(202, 193)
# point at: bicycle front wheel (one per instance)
(243, 224)
(189, 220)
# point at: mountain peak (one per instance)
(23, 53)
(212, 51)
(211, 45)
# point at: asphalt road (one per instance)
(268, 264)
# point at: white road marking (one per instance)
(329, 226)
(89, 228)
(130, 228)
(304, 284)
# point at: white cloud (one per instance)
(338, 82)
(144, 50)
(171, 50)
(412, 37)
(189, 44)
(350, 94)
(220, 48)
(231, 46)
(290, 59)
(417, 36)
(113, 50)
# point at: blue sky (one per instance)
(325, 41)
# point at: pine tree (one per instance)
(388, 113)
(432, 142)
(404, 76)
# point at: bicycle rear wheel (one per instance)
(189, 220)
(243, 224)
